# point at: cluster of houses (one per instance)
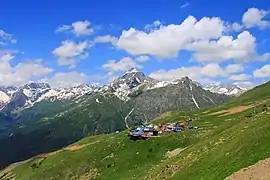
(157, 130)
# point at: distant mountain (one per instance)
(228, 89)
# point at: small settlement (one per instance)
(157, 130)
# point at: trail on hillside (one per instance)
(260, 170)
(235, 110)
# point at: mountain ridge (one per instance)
(123, 86)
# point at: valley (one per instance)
(38, 119)
(223, 144)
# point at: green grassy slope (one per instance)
(257, 93)
(60, 125)
(221, 146)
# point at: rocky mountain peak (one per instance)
(130, 79)
(36, 85)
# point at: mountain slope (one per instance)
(221, 146)
(43, 120)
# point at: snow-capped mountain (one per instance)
(29, 94)
(130, 84)
(228, 89)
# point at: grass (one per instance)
(221, 146)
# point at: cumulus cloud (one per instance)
(225, 48)
(68, 79)
(234, 68)
(6, 38)
(124, 64)
(254, 17)
(69, 52)
(142, 58)
(203, 74)
(208, 39)
(105, 39)
(79, 28)
(213, 70)
(167, 41)
(21, 73)
(236, 27)
(262, 72)
(239, 77)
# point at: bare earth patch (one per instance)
(260, 171)
(236, 110)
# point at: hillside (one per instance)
(230, 137)
(39, 119)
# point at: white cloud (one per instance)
(264, 57)
(237, 27)
(208, 39)
(239, 77)
(142, 58)
(193, 72)
(262, 72)
(186, 4)
(79, 28)
(105, 39)
(21, 73)
(69, 52)
(213, 70)
(167, 41)
(68, 79)
(253, 17)
(6, 38)
(225, 48)
(234, 68)
(124, 64)
(202, 74)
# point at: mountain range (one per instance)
(36, 118)
(19, 98)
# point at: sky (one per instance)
(68, 43)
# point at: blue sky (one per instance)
(70, 42)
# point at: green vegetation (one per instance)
(256, 94)
(221, 146)
(51, 126)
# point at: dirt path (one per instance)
(235, 110)
(260, 171)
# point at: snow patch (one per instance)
(97, 100)
(195, 102)
(138, 80)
